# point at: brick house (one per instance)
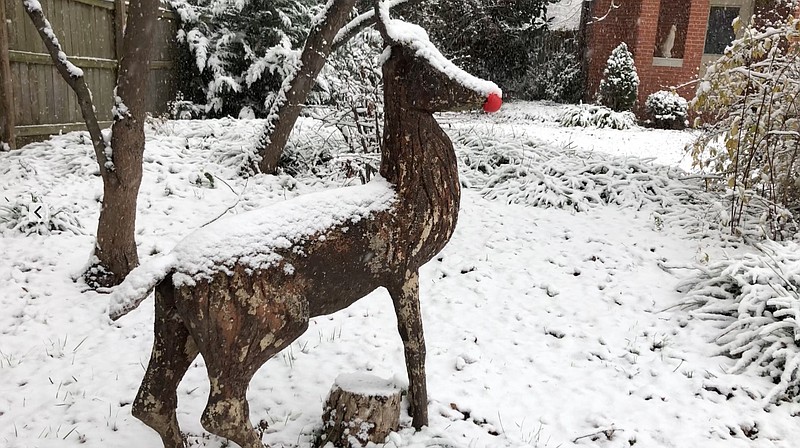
(671, 40)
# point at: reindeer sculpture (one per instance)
(243, 288)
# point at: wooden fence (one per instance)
(37, 102)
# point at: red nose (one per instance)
(493, 103)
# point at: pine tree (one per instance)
(620, 85)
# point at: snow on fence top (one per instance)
(251, 239)
(415, 38)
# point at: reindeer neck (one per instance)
(417, 156)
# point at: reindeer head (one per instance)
(423, 77)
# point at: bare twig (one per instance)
(614, 5)
(605, 432)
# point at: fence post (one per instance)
(7, 110)
(120, 16)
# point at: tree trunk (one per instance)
(115, 247)
(286, 109)
(323, 39)
(360, 408)
(115, 252)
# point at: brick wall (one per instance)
(637, 24)
(604, 35)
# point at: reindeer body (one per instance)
(240, 310)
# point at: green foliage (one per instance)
(748, 102)
(755, 298)
(34, 216)
(554, 71)
(620, 84)
(236, 53)
(488, 38)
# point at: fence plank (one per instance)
(119, 25)
(91, 34)
(7, 121)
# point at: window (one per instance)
(720, 28)
(673, 20)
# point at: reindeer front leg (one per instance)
(405, 296)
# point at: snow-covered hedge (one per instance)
(668, 110)
(592, 115)
(756, 297)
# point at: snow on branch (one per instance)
(34, 9)
(755, 298)
(362, 21)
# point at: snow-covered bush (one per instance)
(756, 297)
(748, 104)
(34, 216)
(619, 87)
(668, 110)
(592, 115)
(239, 51)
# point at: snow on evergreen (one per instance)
(620, 84)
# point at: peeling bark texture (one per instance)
(315, 53)
(352, 418)
(115, 246)
(239, 318)
(409, 324)
(173, 352)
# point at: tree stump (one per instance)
(360, 408)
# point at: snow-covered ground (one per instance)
(545, 326)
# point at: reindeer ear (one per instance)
(381, 17)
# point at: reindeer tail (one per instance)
(139, 283)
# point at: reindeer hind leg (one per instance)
(173, 352)
(241, 327)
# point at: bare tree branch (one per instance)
(323, 38)
(289, 101)
(614, 5)
(72, 75)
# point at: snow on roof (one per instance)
(565, 15)
(415, 37)
(252, 239)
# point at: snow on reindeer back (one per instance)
(251, 239)
(416, 38)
